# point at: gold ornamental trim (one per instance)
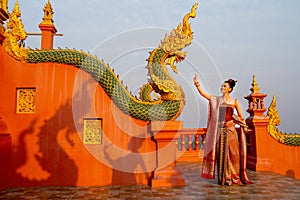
(92, 131)
(26, 100)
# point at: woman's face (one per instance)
(225, 88)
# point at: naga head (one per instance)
(273, 113)
(15, 24)
(15, 35)
(178, 39)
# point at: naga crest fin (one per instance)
(185, 27)
(178, 39)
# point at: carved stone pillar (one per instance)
(257, 122)
(165, 135)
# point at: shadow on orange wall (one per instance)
(43, 150)
(131, 161)
(44, 161)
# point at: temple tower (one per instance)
(256, 106)
(47, 27)
(257, 122)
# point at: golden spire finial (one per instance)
(48, 13)
(255, 88)
(16, 11)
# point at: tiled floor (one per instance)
(266, 185)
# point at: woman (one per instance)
(222, 143)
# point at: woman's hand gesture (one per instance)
(196, 80)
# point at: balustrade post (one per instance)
(166, 173)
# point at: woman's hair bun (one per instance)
(231, 82)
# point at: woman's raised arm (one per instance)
(200, 90)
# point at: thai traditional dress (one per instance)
(224, 146)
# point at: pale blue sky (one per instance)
(232, 38)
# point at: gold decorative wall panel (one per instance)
(26, 99)
(92, 131)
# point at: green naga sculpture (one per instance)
(169, 104)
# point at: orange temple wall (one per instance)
(267, 154)
(47, 147)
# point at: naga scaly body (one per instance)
(104, 75)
